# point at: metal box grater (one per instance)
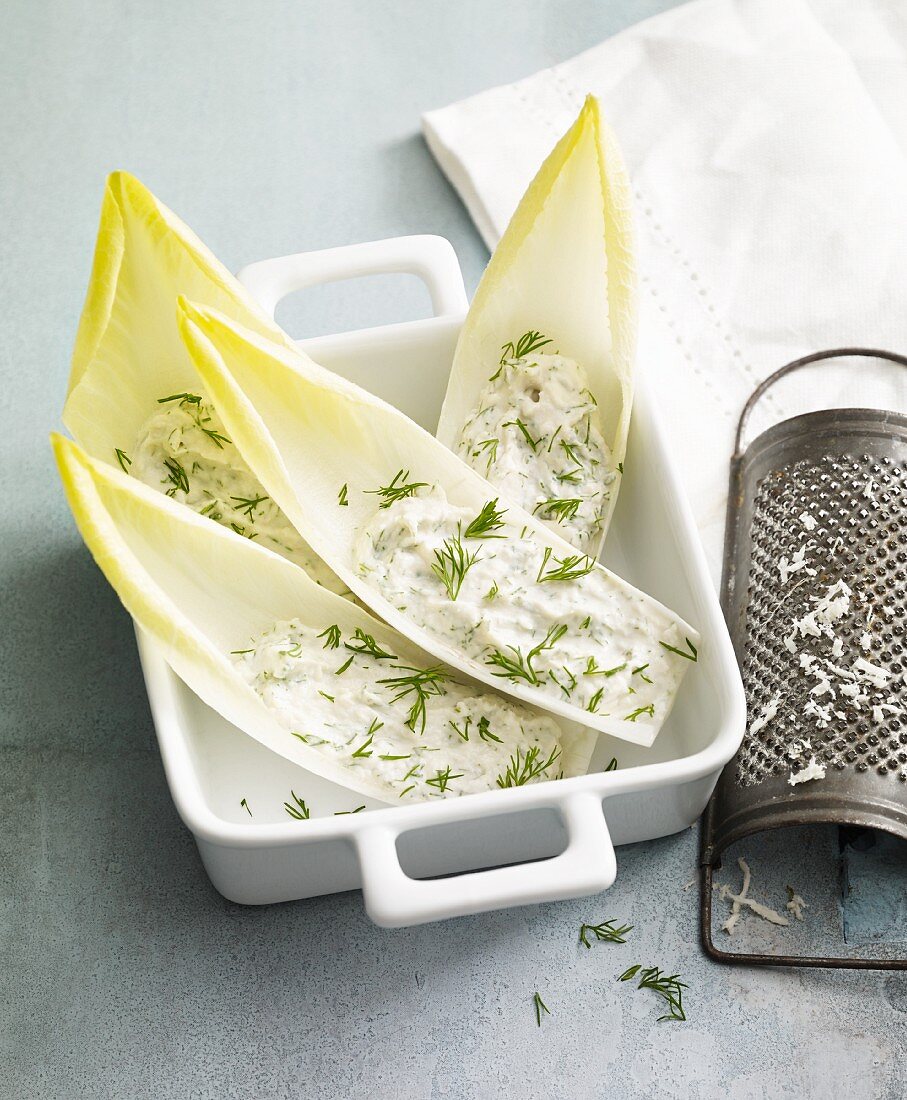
(831, 488)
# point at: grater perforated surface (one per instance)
(858, 503)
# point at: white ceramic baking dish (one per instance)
(510, 847)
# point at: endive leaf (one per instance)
(129, 356)
(306, 433)
(563, 269)
(202, 594)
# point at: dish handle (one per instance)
(430, 258)
(586, 866)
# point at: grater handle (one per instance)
(586, 866)
(430, 258)
(805, 361)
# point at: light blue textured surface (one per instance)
(275, 127)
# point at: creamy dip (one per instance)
(536, 435)
(183, 451)
(559, 625)
(417, 732)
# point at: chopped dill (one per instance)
(539, 1005)
(364, 750)
(452, 563)
(524, 767)
(331, 635)
(604, 932)
(593, 704)
(245, 806)
(391, 756)
(693, 655)
(330, 698)
(486, 522)
(641, 673)
(620, 467)
(584, 625)
(612, 765)
(176, 475)
(297, 809)
(524, 431)
(346, 664)
(240, 652)
(341, 496)
(399, 489)
(124, 460)
(406, 790)
(358, 810)
(649, 711)
(492, 592)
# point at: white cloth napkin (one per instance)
(766, 145)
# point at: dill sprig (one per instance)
(517, 667)
(331, 635)
(297, 809)
(593, 704)
(183, 398)
(540, 1007)
(452, 563)
(176, 475)
(124, 460)
(398, 489)
(524, 767)
(606, 932)
(560, 509)
(463, 733)
(364, 749)
(443, 778)
(366, 644)
(247, 505)
(649, 711)
(569, 568)
(490, 446)
(422, 684)
(592, 668)
(669, 987)
(485, 731)
(342, 496)
(216, 437)
(524, 431)
(486, 522)
(693, 655)
(526, 345)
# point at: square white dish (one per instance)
(447, 858)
